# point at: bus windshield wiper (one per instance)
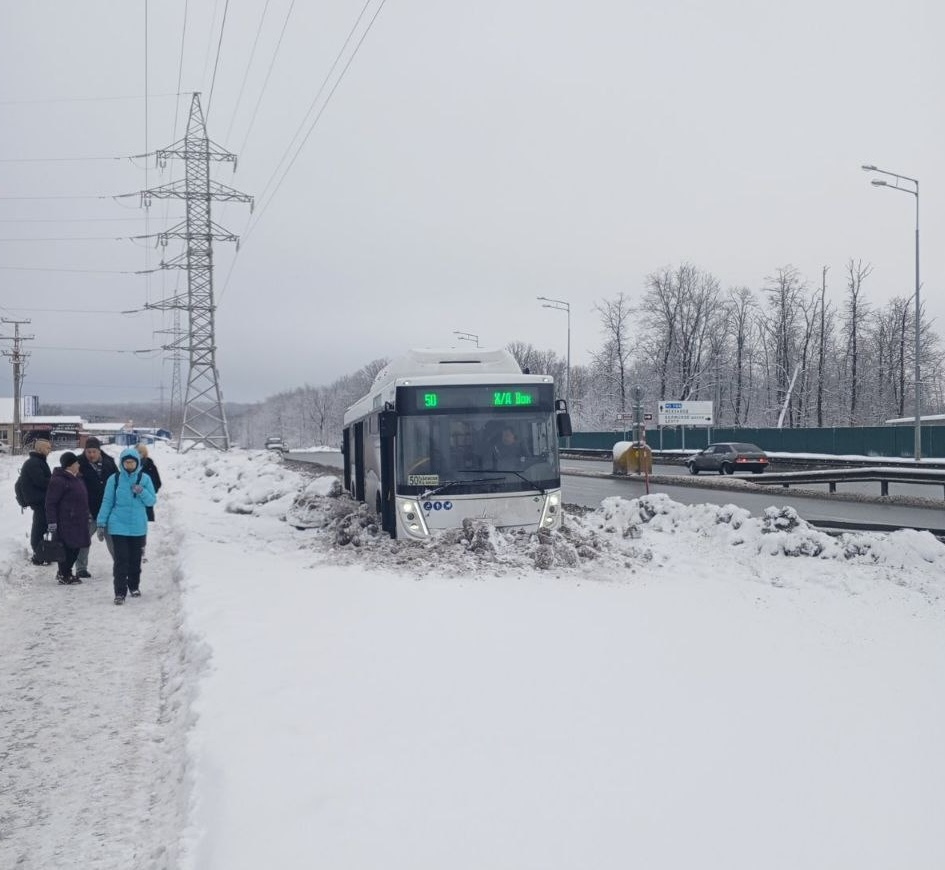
(451, 483)
(521, 476)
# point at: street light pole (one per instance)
(895, 185)
(467, 336)
(560, 305)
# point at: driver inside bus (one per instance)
(508, 451)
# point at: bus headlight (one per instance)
(551, 511)
(412, 518)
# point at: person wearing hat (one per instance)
(124, 515)
(95, 466)
(35, 475)
(67, 513)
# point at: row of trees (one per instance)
(784, 353)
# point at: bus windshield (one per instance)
(477, 451)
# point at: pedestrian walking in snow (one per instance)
(67, 514)
(123, 515)
(150, 469)
(95, 466)
(34, 477)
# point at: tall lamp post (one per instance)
(467, 336)
(560, 305)
(896, 184)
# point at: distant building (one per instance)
(70, 431)
(63, 431)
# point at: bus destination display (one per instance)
(479, 398)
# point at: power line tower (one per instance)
(204, 420)
(18, 358)
(175, 410)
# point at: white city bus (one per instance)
(449, 435)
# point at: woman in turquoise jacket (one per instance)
(127, 496)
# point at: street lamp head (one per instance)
(868, 167)
(878, 182)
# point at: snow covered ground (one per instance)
(656, 686)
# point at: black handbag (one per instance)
(51, 549)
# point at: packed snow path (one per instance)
(91, 753)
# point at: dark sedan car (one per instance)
(729, 457)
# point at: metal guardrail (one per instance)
(677, 457)
(883, 475)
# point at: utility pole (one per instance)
(204, 419)
(638, 415)
(823, 347)
(18, 359)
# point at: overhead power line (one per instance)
(88, 220)
(56, 269)
(301, 145)
(216, 62)
(262, 92)
(66, 310)
(142, 350)
(249, 64)
(62, 196)
(315, 121)
(56, 159)
(69, 238)
(78, 99)
(180, 69)
(315, 99)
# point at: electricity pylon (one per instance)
(204, 420)
(177, 346)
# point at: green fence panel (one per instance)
(888, 441)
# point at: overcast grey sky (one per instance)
(474, 157)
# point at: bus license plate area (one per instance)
(512, 510)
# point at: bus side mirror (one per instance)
(564, 425)
(387, 424)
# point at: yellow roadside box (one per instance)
(632, 457)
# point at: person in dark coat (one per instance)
(35, 475)
(67, 513)
(150, 469)
(95, 466)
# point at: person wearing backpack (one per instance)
(150, 469)
(33, 482)
(96, 467)
(123, 514)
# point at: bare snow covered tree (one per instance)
(781, 324)
(855, 313)
(612, 361)
(742, 314)
(681, 307)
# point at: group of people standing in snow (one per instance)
(90, 494)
